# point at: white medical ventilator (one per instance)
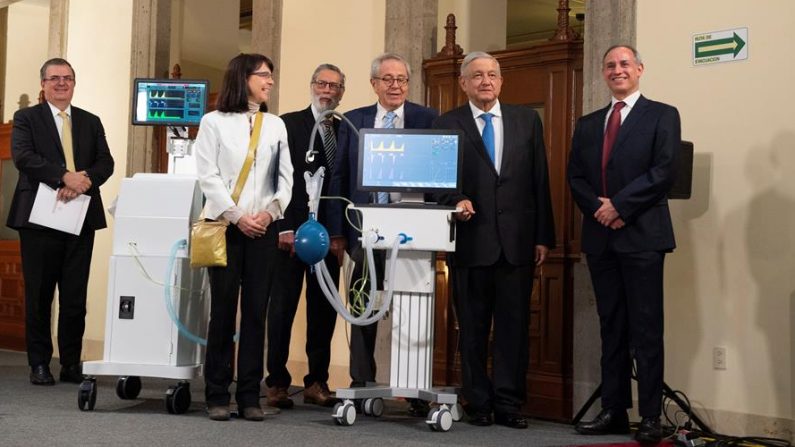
(156, 301)
(157, 306)
(411, 234)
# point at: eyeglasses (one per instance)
(57, 79)
(389, 80)
(479, 77)
(332, 85)
(263, 74)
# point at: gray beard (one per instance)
(322, 108)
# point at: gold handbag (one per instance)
(208, 243)
(208, 237)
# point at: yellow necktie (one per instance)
(66, 141)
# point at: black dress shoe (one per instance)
(649, 431)
(40, 375)
(607, 422)
(71, 374)
(511, 420)
(481, 420)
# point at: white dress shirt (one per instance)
(630, 103)
(381, 113)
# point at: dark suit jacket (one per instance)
(38, 155)
(640, 172)
(343, 180)
(299, 128)
(513, 210)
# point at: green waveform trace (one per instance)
(161, 115)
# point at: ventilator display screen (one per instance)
(169, 102)
(409, 160)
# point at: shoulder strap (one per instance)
(252, 152)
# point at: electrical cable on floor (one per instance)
(685, 435)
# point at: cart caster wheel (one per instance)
(457, 411)
(128, 387)
(178, 398)
(373, 407)
(87, 395)
(440, 419)
(344, 413)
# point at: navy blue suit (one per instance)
(343, 183)
(627, 264)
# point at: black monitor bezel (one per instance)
(409, 189)
(181, 123)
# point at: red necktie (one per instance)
(611, 132)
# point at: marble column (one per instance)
(59, 20)
(607, 23)
(3, 57)
(151, 40)
(266, 38)
(411, 32)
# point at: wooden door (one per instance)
(12, 286)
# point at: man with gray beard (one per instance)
(326, 89)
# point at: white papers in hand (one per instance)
(49, 212)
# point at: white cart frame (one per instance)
(431, 229)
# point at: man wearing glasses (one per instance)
(389, 76)
(63, 147)
(325, 89)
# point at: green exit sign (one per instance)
(720, 46)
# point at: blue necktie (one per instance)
(389, 123)
(488, 134)
(389, 120)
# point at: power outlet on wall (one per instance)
(718, 357)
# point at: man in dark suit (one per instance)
(63, 147)
(389, 77)
(326, 89)
(505, 230)
(620, 171)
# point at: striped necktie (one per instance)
(389, 120)
(329, 143)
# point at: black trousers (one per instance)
(629, 300)
(362, 361)
(320, 320)
(249, 275)
(499, 292)
(51, 258)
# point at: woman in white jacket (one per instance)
(221, 148)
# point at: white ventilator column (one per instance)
(426, 229)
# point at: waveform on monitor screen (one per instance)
(391, 148)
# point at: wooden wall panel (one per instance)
(12, 286)
(12, 297)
